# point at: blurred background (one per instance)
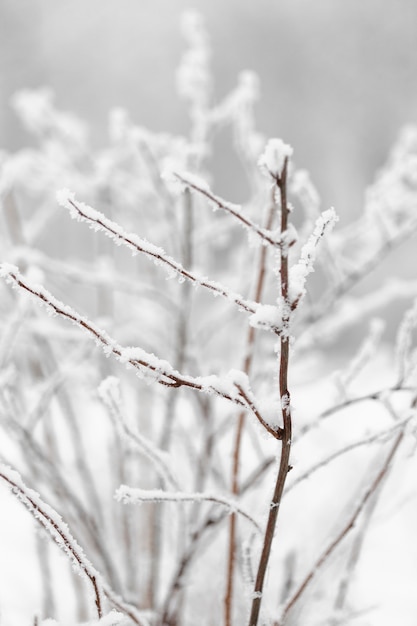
(338, 79)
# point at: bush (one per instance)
(205, 441)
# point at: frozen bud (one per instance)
(273, 158)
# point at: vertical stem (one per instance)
(286, 412)
(231, 560)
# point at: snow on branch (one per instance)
(273, 158)
(132, 495)
(299, 272)
(98, 221)
(195, 184)
(144, 362)
(60, 533)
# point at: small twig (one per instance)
(344, 531)
(97, 221)
(136, 357)
(377, 437)
(277, 433)
(356, 275)
(54, 525)
(233, 210)
(131, 495)
(60, 533)
(376, 396)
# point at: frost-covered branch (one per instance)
(60, 533)
(373, 396)
(232, 209)
(379, 437)
(298, 273)
(138, 358)
(98, 221)
(131, 495)
(275, 160)
(275, 432)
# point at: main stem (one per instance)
(284, 465)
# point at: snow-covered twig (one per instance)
(352, 310)
(98, 221)
(364, 268)
(298, 273)
(379, 437)
(132, 495)
(60, 533)
(275, 432)
(138, 358)
(232, 209)
(374, 396)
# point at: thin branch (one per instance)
(376, 438)
(98, 221)
(356, 275)
(345, 530)
(60, 533)
(54, 525)
(373, 396)
(131, 495)
(233, 209)
(277, 433)
(136, 357)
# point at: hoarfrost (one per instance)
(267, 315)
(273, 158)
(299, 272)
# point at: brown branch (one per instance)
(234, 210)
(45, 515)
(166, 375)
(284, 465)
(58, 531)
